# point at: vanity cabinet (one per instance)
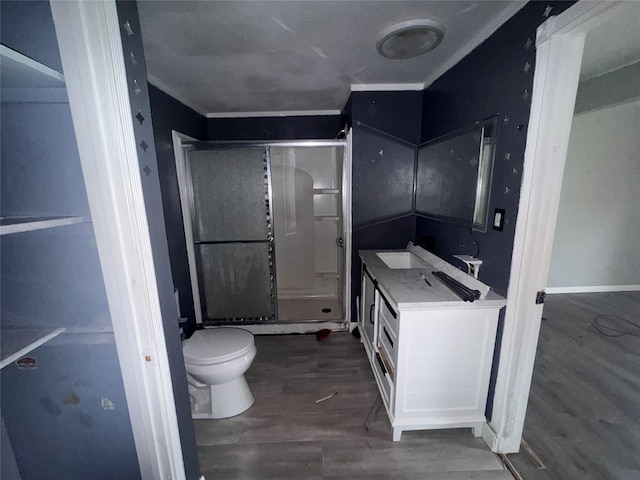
(430, 352)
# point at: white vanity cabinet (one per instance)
(430, 352)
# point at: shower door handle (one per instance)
(340, 242)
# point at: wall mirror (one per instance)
(453, 176)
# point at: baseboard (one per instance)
(294, 327)
(490, 438)
(593, 289)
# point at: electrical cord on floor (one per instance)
(475, 240)
(611, 332)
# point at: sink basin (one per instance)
(400, 260)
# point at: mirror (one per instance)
(453, 176)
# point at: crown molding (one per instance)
(290, 113)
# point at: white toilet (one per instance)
(216, 360)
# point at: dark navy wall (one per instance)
(398, 114)
(388, 234)
(386, 127)
(150, 177)
(168, 114)
(274, 128)
(496, 78)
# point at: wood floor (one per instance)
(287, 435)
(583, 417)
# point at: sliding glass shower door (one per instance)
(233, 236)
(308, 230)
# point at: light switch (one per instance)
(498, 219)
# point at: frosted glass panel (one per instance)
(236, 280)
(229, 194)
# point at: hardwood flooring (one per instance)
(287, 435)
(583, 417)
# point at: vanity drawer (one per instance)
(382, 377)
(389, 315)
(387, 341)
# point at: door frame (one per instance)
(184, 187)
(94, 65)
(185, 190)
(559, 49)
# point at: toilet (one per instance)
(216, 360)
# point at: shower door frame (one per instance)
(183, 143)
(270, 240)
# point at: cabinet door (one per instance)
(367, 311)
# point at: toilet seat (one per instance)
(217, 345)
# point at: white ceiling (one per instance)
(612, 44)
(242, 58)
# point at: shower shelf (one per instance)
(325, 191)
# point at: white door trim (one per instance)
(560, 43)
(91, 50)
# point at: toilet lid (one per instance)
(217, 345)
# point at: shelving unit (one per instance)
(56, 332)
(25, 80)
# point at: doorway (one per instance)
(265, 226)
(559, 54)
(580, 415)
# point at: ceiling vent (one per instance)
(410, 39)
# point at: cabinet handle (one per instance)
(384, 329)
(371, 313)
(381, 363)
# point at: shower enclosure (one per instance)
(267, 231)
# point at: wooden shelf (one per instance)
(21, 71)
(25, 80)
(17, 342)
(10, 225)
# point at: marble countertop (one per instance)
(406, 290)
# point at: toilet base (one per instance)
(229, 399)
